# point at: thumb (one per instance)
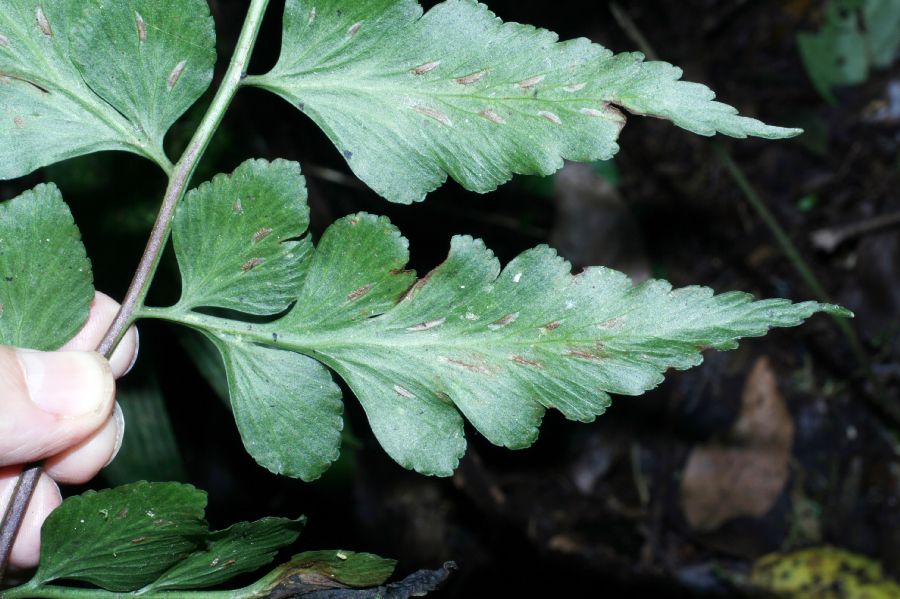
(50, 401)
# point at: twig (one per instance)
(829, 238)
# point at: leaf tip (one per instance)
(837, 311)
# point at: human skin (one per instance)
(59, 407)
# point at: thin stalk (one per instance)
(60, 592)
(808, 277)
(179, 180)
(181, 177)
(788, 248)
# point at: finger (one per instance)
(82, 462)
(50, 401)
(46, 498)
(103, 312)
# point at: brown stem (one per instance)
(15, 511)
(140, 284)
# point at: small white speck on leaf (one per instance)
(42, 22)
(592, 112)
(435, 114)
(312, 16)
(575, 87)
(354, 29)
(471, 316)
(517, 278)
(4, 41)
(175, 75)
(340, 555)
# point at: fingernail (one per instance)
(69, 384)
(120, 433)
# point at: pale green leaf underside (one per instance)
(81, 76)
(46, 285)
(121, 539)
(410, 98)
(498, 346)
(286, 406)
(237, 238)
(237, 244)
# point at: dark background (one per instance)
(591, 510)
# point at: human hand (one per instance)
(60, 407)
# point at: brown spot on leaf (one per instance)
(597, 354)
(42, 22)
(19, 122)
(472, 78)
(550, 116)
(612, 323)
(123, 513)
(4, 41)
(262, 234)
(175, 75)
(531, 82)
(434, 113)
(526, 362)
(425, 68)
(402, 392)
(492, 115)
(141, 27)
(230, 562)
(470, 367)
(251, 264)
(362, 291)
(502, 322)
(552, 326)
(613, 113)
(418, 285)
(354, 29)
(427, 325)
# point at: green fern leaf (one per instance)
(410, 98)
